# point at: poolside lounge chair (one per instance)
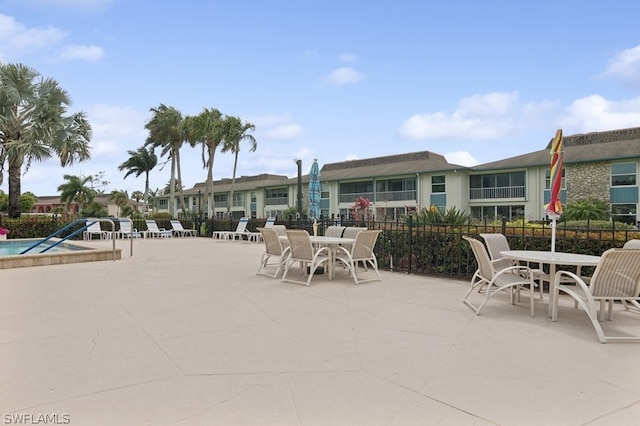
(153, 230)
(302, 252)
(127, 230)
(617, 277)
(274, 250)
(492, 282)
(94, 229)
(178, 229)
(360, 252)
(241, 229)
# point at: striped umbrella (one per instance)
(314, 191)
(554, 208)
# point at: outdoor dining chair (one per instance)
(361, 252)
(303, 253)
(492, 282)
(632, 244)
(616, 278)
(275, 254)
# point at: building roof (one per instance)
(243, 183)
(579, 148)
(393, 165)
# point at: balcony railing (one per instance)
(351, 197)
(280, 201)
(497, 192)
(396, 196)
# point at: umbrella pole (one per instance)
(553, 235)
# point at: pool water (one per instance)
(13, 248)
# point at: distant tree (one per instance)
(120, 199)
(141, 161)
(166, 130)
(137, 196)
(34, 125)
(235, 132)
(27, 201)
(98, 181)
(76, 189)
(94, 209)
(207, 129)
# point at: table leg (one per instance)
(554, 294)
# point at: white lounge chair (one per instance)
(617, 277)
(360, 253)
(127, 230)
(178, 229)
(274, 250)
(241, 229)
(492, 282)
(94, 229)
(153, 230)
(302, 252)
(632, 245)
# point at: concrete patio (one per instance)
(184, 333)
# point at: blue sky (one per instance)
(475, 81)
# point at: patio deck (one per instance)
(184, 332)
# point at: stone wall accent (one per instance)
(588, 180)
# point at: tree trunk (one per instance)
(15, 169)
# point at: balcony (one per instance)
(396, 196)
(280, 201)
(505, 192)
(351, 197)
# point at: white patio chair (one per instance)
(274, 250)
(361, 252)
(127, 230)
(303, 253)
(498, 242)
(492, 282)
(632, 245)
(241, 229)
(153, 230)
(178, 230)
(94, 229)
(334, 231)
(617, 277)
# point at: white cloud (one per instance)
(116, 130)
(595, 113)
(90, 53)
(343, 76)
(625, 67)
(463, 158)
(277, 126)
(479, 117)
(16, 38)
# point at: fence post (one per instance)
(504, 225)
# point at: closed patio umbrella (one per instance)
(554, 208)
(314, 193)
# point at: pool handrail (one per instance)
(73, 234)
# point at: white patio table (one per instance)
(552, 259)
(331, 242)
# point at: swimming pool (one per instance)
(64, 253)
(15, 247)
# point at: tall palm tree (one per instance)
(207, 129)
(141, 161)
(235, 132)
(76, 189)
(137, 196)
(34, 126)
(166, 130)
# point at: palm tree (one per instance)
(137, 196)
(141, 161)
(120, 198)
(207, 128)
(166, 130)
(235, 132)
(76, 189)
(33, 126)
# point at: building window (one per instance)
(276, 196)
(497, 185)
(163, 203)
(623, 174)
(498, 212)
(438, 184)
(626, 213)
